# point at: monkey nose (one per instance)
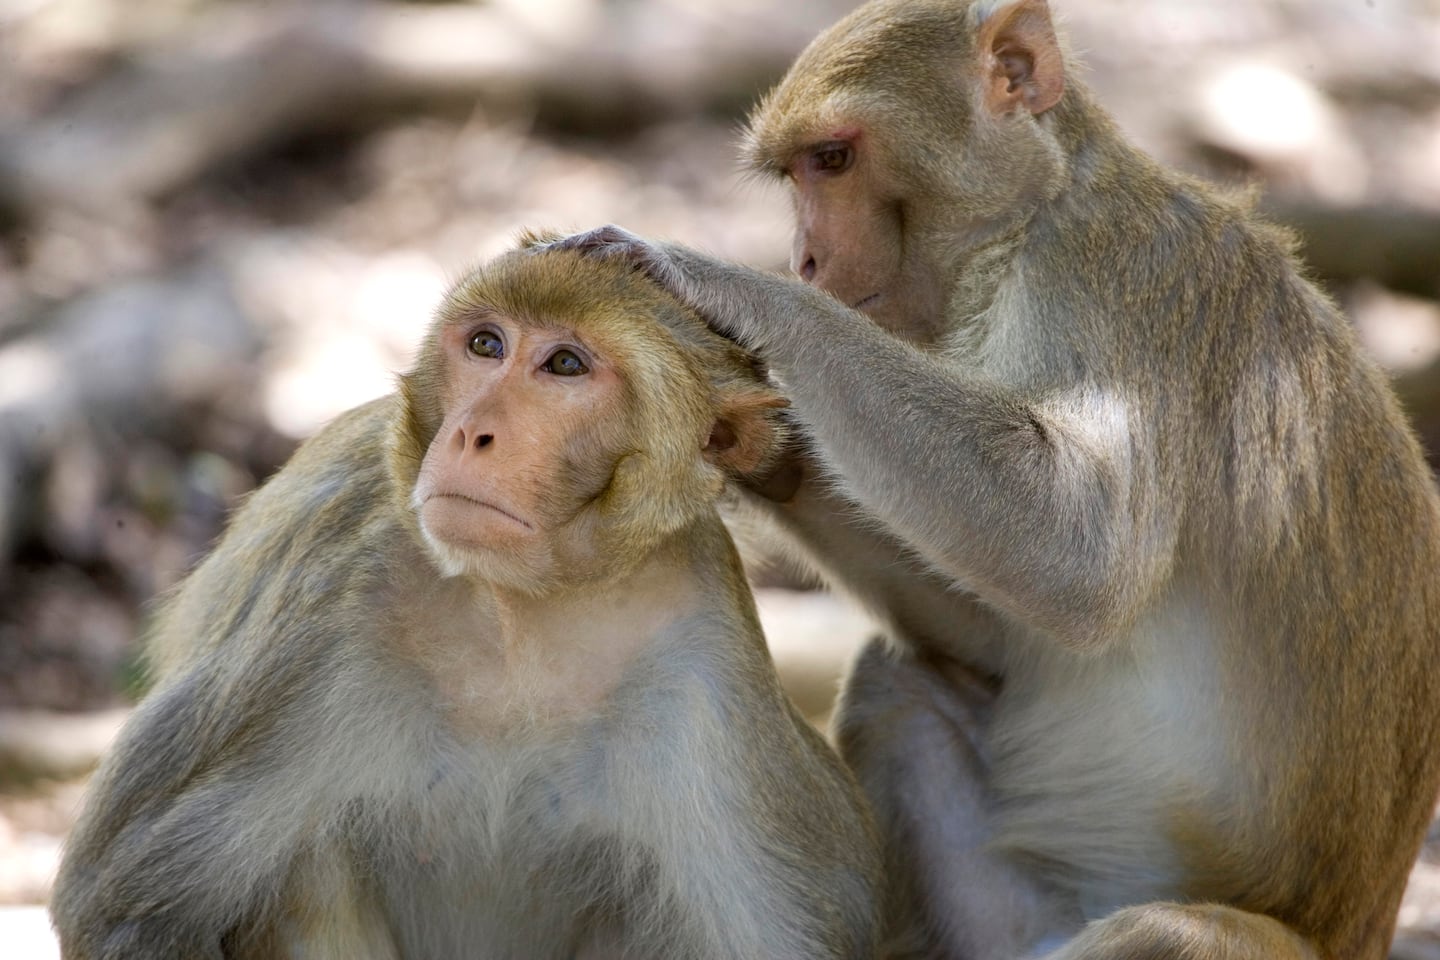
(466, 440)
(807, 270)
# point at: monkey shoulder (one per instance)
(717, 679)
(321, 530)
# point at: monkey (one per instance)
(478, 675)
(1154, 548)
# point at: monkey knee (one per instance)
(892, 695)
(883, 693)
(1171, 931)
(887, 677)
(872, 677)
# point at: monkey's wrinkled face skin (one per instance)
(496, 494)
(850, 231)
(845, 238)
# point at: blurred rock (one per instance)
(1283, 126)
(128, 425)
(45, 745)
(1401, 332)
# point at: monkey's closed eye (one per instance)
(564, 363)
(486, 343)
(833, 158)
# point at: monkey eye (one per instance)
(486, 343)
(565, 363)
(832, 158)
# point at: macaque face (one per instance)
(845, 237)
(565, 417)
(865, 210)
(905, 131)
(850, 232)
(524, 404)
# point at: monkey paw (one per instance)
(729, 297)
(616, 243)
(700, 282)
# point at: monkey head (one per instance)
(564, 416)
(912, 131)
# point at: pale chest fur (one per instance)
(491, 672)
(512, 841)
(1125, 744)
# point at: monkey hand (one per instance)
(746, 305)
(782, 480)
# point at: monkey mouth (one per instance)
(864, 302)
(482, 503)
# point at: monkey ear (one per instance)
(746, 432)
(1020, 58)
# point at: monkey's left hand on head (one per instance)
(737, 302)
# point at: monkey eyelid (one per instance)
(845, 147)
(774, 169)
(475, 330)
(586, 360)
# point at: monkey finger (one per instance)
(594, 240)
(607, 242)
(616, 243)
(675, 268)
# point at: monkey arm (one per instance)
(176, 846)
(1027, 502)
(1031, 502)
(857, 555)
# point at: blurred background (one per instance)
(221, 223)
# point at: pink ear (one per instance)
(745, 433)
(1020, 58)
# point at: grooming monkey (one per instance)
(1157, 549)
(478, 675)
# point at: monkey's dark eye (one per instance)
(832, 158)
(487, 343)
(564, 363)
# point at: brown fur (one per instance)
(351, 754)
(1096, 440)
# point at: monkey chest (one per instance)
(1095, 762)
(511, 857)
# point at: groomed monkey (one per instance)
(1157, 548)
(478, 675)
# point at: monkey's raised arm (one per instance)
(1041, 516)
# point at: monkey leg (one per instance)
(913, 732)
(1172, 931)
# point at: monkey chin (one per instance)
(505, 568)
(496, 552)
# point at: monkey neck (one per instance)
(979, 272)
(986, 252)
(1107, 176)
(547, 661)
(1105, 181)
(605, 617)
